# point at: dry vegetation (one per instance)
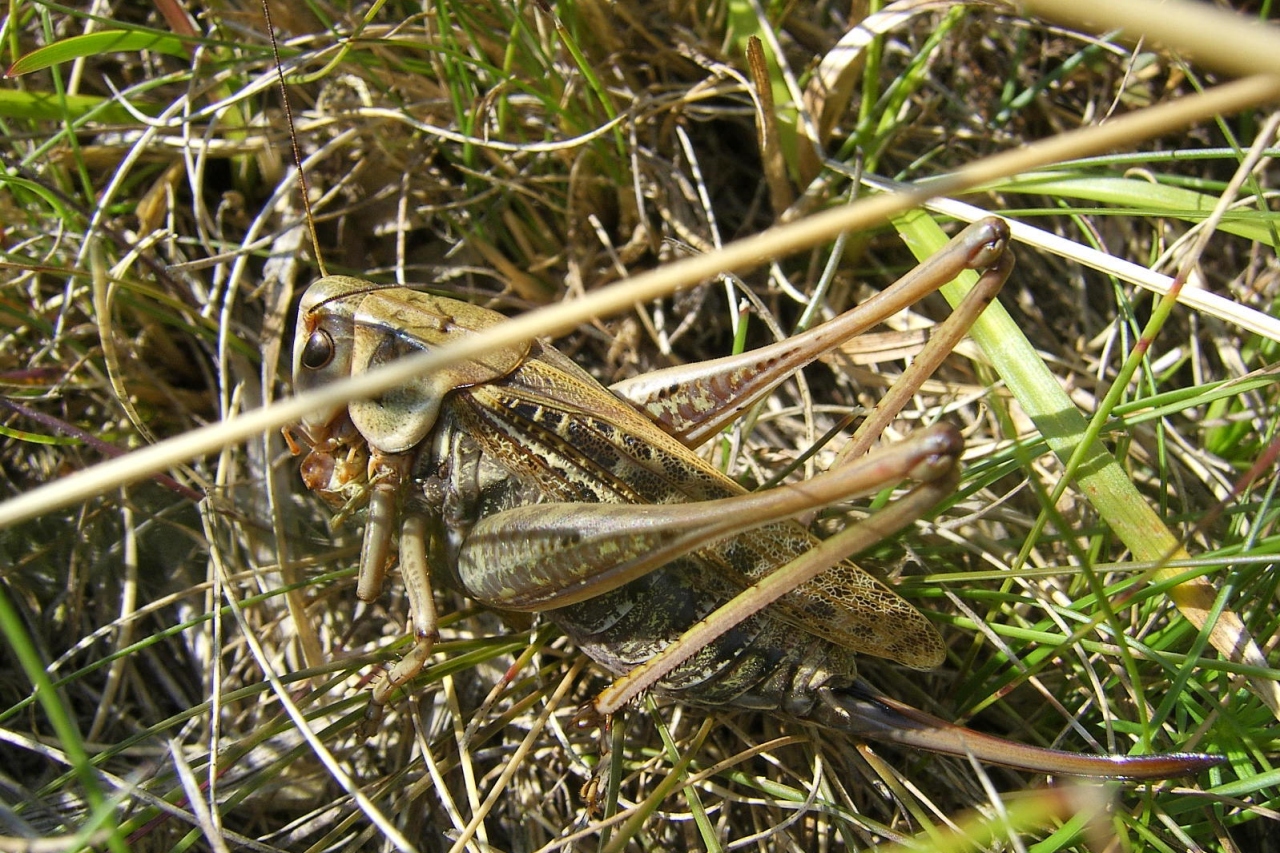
(151, 261)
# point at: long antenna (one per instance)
(293, 141)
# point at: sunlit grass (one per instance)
(493, 152)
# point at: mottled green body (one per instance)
(547, 433)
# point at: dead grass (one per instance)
(149, 289)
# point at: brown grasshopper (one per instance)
(532, 487)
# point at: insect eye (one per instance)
(318, 351)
